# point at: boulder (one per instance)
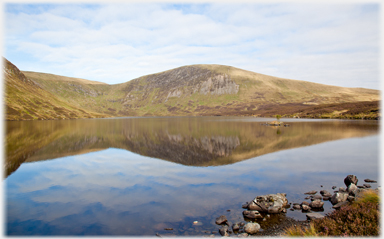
(352, 189)
(350, 179)
(339, 197)
(316, 204)
(305, 203)
(220, 220)
(251, 227)
(314, 215)
(224, 231)
(271, 203)
(252, 214)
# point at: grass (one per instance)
(360, 218)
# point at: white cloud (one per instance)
(115, 43)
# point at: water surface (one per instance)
(138, 176)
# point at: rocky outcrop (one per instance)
(218, 85)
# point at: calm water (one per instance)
(138, 176)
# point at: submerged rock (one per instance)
(311, 192)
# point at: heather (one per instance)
(360, 218)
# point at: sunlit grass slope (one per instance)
(25, 100)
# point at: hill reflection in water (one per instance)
(102, 182)
(194, 141)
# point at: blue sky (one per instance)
(335, 44)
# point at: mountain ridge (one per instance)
(198, 90)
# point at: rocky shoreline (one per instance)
(262, 207)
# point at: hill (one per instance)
(207, 90)
(25, 100)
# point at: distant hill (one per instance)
(201, 90)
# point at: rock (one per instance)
(369, 181)
(366, 185)
(341, 189)
(305, 207)
(305, 203)
(252, 214)
(245, 206)
(326, 198)
(297, 207)
(243, 235)
(253, 206)
(251, 227)
(311, 192)
(340, 204)
(350, 179)
(168, 229)
(271, 203)
(333, 187)
(314, 215)
(220, 220)
(339, 197)
(360, 186)
(316, 197)
(307, 197)
(325, 193)
(235, 226)
(352, 189)
(224, 231)
(284, 210)
(351, 198)
(316, 204)
(242, 224)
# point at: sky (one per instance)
(328, 43)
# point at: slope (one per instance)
(26, 100)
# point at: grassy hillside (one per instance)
(25, 100)
(206, 90)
